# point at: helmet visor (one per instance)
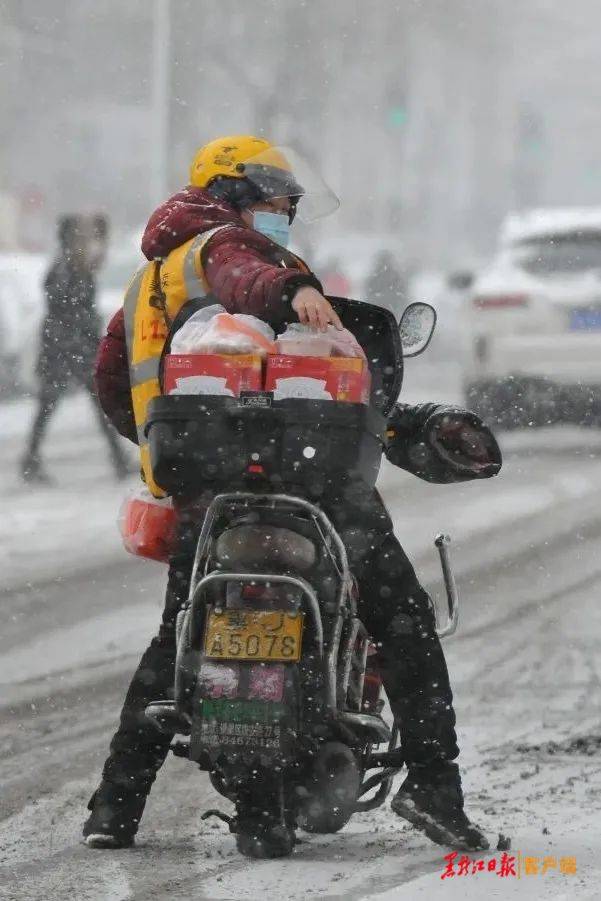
(282, 172)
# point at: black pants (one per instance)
(396, 611)
(49, 395)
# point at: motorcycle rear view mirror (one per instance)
(417, 326)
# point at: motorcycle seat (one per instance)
(265, 548)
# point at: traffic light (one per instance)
(396, 104)
(397, 116)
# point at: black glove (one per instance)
(441, 444)
(462, 444)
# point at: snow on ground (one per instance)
(526, 674)
(46, 532)
(524, 665)
(50, 533)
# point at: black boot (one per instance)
(138, 750)
(116, 813)
(431, 799)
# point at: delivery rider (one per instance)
(224, 237)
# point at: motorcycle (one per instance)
(276, 694)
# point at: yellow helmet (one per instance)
(243, 169)
(228, 156)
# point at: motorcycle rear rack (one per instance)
(193, 612)
(342, 610)
(263, 578)
(323, 527)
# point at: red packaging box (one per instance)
(322, 378)
(226, 374)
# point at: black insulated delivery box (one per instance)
(299, 444)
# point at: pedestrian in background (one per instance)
(99, 242)
(70, 335)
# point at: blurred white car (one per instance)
(21, 277)
(533, 321)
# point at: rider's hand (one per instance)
(462, 438)
(464, 443)
(313, 309)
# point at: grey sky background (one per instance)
(431, 119)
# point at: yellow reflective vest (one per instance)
(153, 298)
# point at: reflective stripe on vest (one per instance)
(181, 279)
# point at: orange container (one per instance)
(148, 526)
(324, 378)
(227, 374)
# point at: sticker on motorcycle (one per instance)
(218, 680)
(266, 681)
(241, 724)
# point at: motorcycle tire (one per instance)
(333, 791)
(265, 843)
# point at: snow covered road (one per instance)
(524, 664)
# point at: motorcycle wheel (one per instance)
(265, 843)
(264, 829)
(332, 792)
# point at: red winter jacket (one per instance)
(244, 271)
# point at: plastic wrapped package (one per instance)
(186, 338)
(302, 340)
(148, 525)
(214, 331)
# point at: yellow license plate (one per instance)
(254, 635)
